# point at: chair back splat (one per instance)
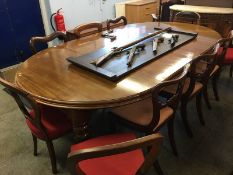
(115, 21)
(187, 17)
(23, 98)
(46, 39)
(79, 156)
(172, 102)
(87, 29)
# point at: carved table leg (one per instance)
(80, 119)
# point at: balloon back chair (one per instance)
(150, 114)
(45, 39)
(195, 84)
(116, 22)
(44, 123)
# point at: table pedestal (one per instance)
(80, 119)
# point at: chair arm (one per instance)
(154, 140)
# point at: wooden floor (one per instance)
(210, 152)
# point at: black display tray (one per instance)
(117, 67)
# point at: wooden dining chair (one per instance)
(150, 114)
(87, 29)
(187, 17)
(195, 84)
(228, 57)
(116, 22)
(46, 124)
(45, 39)
(225, 54)
(116, 154)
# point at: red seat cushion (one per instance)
(120, 164)
(228, 57)
(54, 121)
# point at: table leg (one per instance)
(80, 119)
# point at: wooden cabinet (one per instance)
(137, 11)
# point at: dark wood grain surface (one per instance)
(52, 80)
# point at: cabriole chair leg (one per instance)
(35, 145)
(158, 168)
(52, 156)
(206, 97)
(170, 126)
(214, 84)
(199, 108)
(231, 70)
(183, 111)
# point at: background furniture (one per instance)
(164, 10)
(138, 11)
(187, 17)
(116, 154)
(61, 84)
(213, 17)
(45, 124)
(213, 3)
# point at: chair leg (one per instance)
(158, 168)
(170, 127)
(206, 97)
(52, 156)
(231, 70)
(199, 108)
(34, 138)
(214, 84)
(183, 111)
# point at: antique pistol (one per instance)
(156, 41)
(135, 49)
(174, 39)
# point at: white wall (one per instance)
(78, 12)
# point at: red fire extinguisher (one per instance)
(59, 21)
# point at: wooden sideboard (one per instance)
(137, 11)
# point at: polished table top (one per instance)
(52, 80)
(202, 9)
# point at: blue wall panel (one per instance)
(21, 21)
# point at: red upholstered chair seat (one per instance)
(119, 164)
(54, 121)
(229, 56)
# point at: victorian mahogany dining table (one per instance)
(54, 81)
